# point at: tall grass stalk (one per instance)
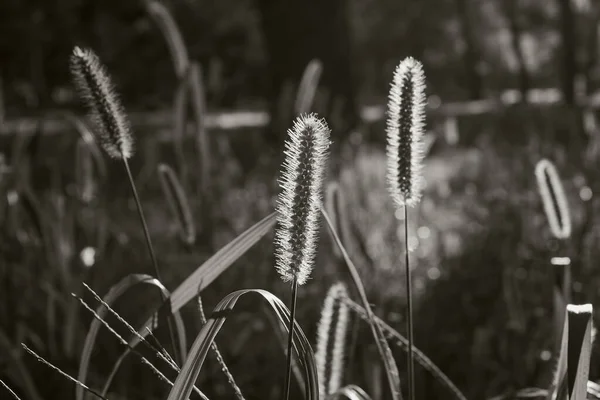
(96, 89)
(298, 207)
(405, 153)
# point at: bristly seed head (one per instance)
(554, 199)
(299, 202)
(406, 118)
(96, 90)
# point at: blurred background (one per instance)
(509, 82)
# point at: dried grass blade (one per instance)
(115, 292)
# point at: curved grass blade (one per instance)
(178, 203)
(191, 369)
(402, 342)
(385, 353)
(170, 31)
(180, 102)
(308, 87)
(351, 392)
(89, 138)
(115, 292)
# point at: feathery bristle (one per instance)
(299, 202)
(557, 209)
(97, 91)
(405, 124)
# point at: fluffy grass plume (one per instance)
(405, 123)
(554, 199)
(96, 89)
(299, 202)
(336, 293)
(178, 203)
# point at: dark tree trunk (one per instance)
(569, 70)
(512, 13)
(296, 32)
(472, 54)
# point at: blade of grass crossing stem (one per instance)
(385, 353)
(570, 380)
(402, 342)
(210, 270)
(115, 292)
(191, 369)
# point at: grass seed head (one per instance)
(405, 124)
(96, 90)
(299, 202)
(554, 199)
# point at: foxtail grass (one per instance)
(553, 198)
(332, 305)
(405, 153)
(298, 208)
(113, 129)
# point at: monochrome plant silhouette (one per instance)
(299, 207)
(405, 153)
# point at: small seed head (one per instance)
(96, 90)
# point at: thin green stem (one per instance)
(409, 320)
(152, 256)
(288, 374)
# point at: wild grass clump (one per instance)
(497, 322)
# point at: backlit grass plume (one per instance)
(554, 199)
(299, 202)
(405, 148)
(96, 89)
(405, 153)
(336, 294)
(299, 209)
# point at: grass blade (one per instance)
(191, 369)
(571, 378)
(351, 392)
(402, 343)
(385, 353)
(210, 270)
(308, 87)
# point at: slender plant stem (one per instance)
(409, 320)
(152, 256)
(288, 374)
